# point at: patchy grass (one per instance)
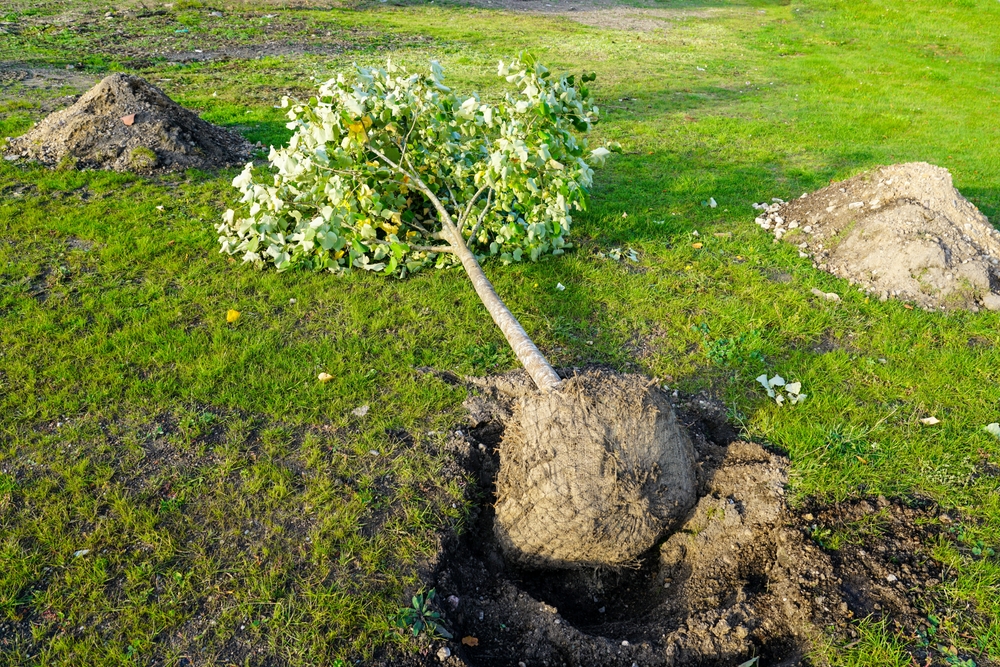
(231, 505)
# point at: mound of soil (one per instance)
(744, 575)
(593, 474)
(125, 123)
(901, 232)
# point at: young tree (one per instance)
(393, 171)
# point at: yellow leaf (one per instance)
(325, 377)
(232, 315)
(696, 246)
(470, 641)
(338, 254)
(367, 122)
(356, 128)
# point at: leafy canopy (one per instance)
(509, 174)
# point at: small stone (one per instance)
(891, 578)
(991, 301)
(443, 653)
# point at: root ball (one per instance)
(593, 474)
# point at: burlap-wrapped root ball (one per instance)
(592, 474)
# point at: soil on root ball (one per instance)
(592, 475)
(743, 577)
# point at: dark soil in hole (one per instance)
(745, 576)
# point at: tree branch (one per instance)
(482, 217)
(468, 209)
(446, 221)
(421, 248)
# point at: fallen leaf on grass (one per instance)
(560, 287)
(930, 421)
(829, 296)
(470, 641)
(360, 412)
(993, 429)
(907, 306)
(325, 377)
(697, 246)
(81, 552)
(232, 315)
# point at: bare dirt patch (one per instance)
(744, 576)
(126, 124)
(901, 232)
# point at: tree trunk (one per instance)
(538, 367)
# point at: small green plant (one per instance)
(142, 158)
(824, 537)
(67, 163)
(419, 617)
(487, 356)
(739, 350)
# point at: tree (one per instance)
(393, 172)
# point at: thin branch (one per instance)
(422, 248)
(454, 201)
(406, 139)
(412, 175)
(468, 209)
(482, 217)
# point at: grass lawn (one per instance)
(174, 488)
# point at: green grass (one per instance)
(231, 505)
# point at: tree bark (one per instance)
(538, 367)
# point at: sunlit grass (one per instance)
(231, 503)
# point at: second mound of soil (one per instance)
(901, 232)
(125, 123)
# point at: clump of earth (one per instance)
(592, 474)
(742, 576)
(124, 123)
(901, 232)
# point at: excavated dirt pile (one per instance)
(900, 232)
(741, 576)
(593, 474)
(125, 123)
